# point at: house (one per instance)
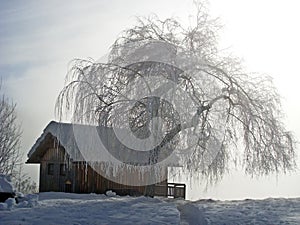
(64, 167)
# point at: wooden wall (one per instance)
(55, 181)
(81, 178)
(88, 180)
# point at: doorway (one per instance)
(68, 186)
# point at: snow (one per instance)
(110, 194)
(64, 133)
(190, 214)
(5, 184)
(67, 208)
(267, 211)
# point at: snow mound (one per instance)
(3, 206)
(26, 201)
(69, 208)
(10, 202)
(111, 193)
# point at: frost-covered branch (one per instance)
(226, 109)
(10, 134)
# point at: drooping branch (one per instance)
(225, 108)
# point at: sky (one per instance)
(38, 39)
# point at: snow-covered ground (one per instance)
(66, 208)
(268, 211)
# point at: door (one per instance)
(68, 186)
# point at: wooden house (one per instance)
(64, 168)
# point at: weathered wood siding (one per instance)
(79, 177)
(88, 180)
(55, 181)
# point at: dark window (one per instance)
(50, 169)
(62, 170)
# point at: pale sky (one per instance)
(39, 38)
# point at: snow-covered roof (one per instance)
(5, 184)
(91, 143)
(56, 132)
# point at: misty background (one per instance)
(39, 38)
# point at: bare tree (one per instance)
(10, 134)
(230, 115)
(23, 182)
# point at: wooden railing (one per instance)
(176, 190)
(172, 190)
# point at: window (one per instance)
(62, 169)
(50, 169)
